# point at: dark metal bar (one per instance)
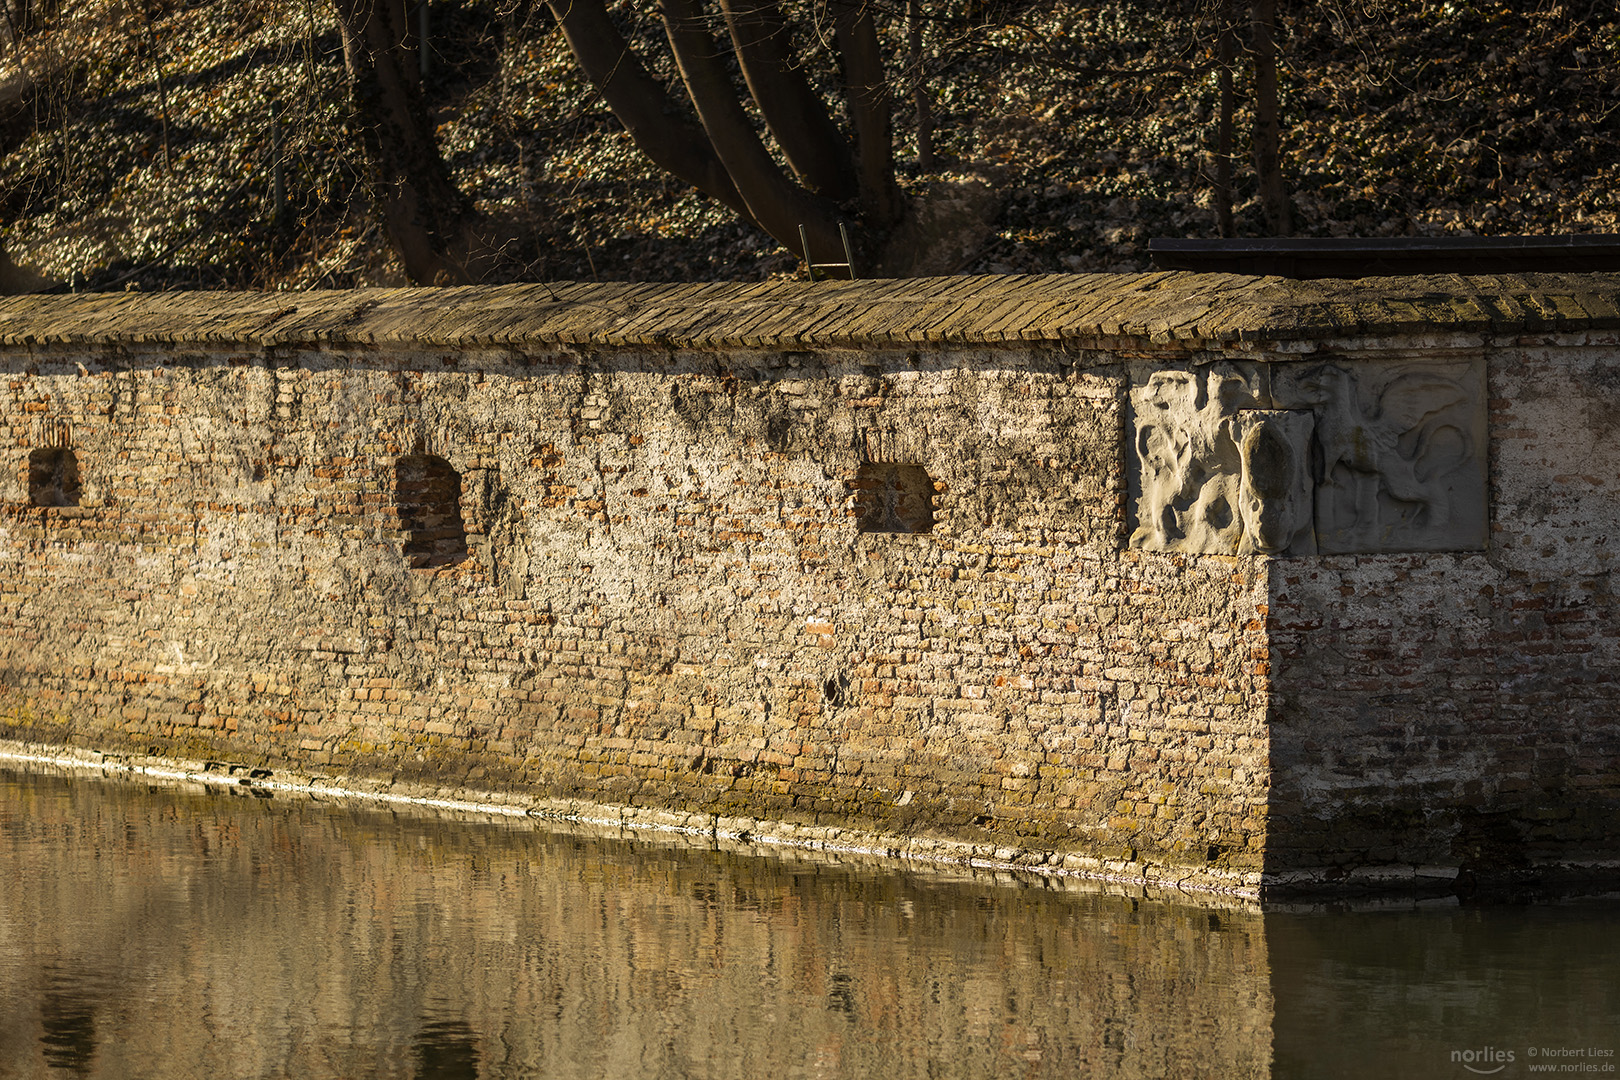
(1302, 257)
(813, 266)
(804, 242)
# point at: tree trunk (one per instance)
(775, 203)
(145, 19)
(427, 218)
(728, 157)
(797, 117)
(655, 123)
(1226, 56)
(869, 111)
(15, 280)
(1267, 122)
(922, 108)
(409, 44)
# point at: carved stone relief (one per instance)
(1298, 458)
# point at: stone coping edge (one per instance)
(1164, 308)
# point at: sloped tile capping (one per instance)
(1235, 583)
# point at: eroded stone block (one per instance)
(1296, 458)
(1274, 493)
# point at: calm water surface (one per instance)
(187, 932)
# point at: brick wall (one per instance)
(666, 602)
(1459, 710)
(825, 584)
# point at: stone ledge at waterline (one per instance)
(1237, 583)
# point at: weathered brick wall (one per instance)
(1460, 710)
(668, 602)
(664, 590)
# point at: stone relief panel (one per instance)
(1274, 496)
(1336, 456)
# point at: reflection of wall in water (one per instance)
(1395, 990)
(324, 942)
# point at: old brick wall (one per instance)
(854, 556)
(668, 600)
(1457, 711)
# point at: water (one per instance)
(186, 932)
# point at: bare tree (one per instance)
(430, 222)
(708, 139)
(1267, 118)
(1266, 127)
(828, 165)
(26, 16)
(922, 107)
(1225, 58)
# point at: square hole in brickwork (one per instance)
(893, 498)
(427, 492)
(53, 477)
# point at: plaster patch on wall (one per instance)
(1333, 456)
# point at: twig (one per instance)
(157, 73)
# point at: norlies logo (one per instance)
(1481, 1060)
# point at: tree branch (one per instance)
(777, 204)
(797, 117)
(654, 121)
(1226, 54)
(1267, 122)
(425, 215)
(869, 105)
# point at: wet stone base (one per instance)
(755, 833)
(1398, 883)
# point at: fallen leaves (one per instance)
(1420, 118)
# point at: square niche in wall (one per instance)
(53, 477)
(893, 498)
(428, 497)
